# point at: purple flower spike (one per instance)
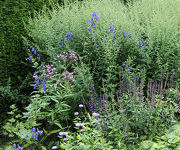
(105, 40)
(129, 86)
(33, 135)
(30, 58)
(36, 136)
(124, 34)
(124, 111)
(44, 86)
(62, 44)
(115, 43)
(121, 69)
(89, 28)
(94, 27)
(34, 86)
(95, 34)
(129, 35)
(14, 145)
(140, 44)
(113, 35)
(144, 43)
(35, 52)
(172, 76)
(27, 135)
(33, 129)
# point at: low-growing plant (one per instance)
(169, 141)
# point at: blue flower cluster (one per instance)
(69, 36)
(142, 43)
(110, 29)
(35, 133)
(42, 82)
(17, 147)
(93, 21)
(35, 53)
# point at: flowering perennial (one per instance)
(33, 51)
(16, 147)
(142, 43)
(63, 133)
(54, 147)
(35, 133)
(79, 125)
(41, 81)
(67, 55)
(93, 21)
(68, 76)
(76, 113)
(81, 105)
(95, 114)
(69, 36)
(49, 71)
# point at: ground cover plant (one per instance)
(105, 77)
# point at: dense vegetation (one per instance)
(15, 70)
(102, 77)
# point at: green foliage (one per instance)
(170, 141)
(9, 96)
(49, 30)
(138, 120)
(50, 110)
(13, 63)
(75, 60)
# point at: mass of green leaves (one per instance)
(82, 76)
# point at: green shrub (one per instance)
(49, 30)
(170, 141)
(13, 63)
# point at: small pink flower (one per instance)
(35, 76)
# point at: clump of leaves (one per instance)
(170, 141)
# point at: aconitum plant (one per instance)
(41, 81)
(33, 52)
(93, 21)
(16, 147)
(69, 36)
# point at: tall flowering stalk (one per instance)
(33, 52)
(41, 81)
(93, 21)
(69, 36)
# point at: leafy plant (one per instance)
(170, 140)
